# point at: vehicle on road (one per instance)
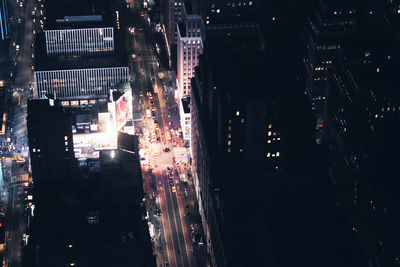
(148, 113)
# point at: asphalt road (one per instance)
(172, 240)
(17, 221)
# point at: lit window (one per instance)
(228, 150)
(229, 121)
(242, 120)
(229, 143)
(250, 3)
(229, 136)
(273, 155)
(218, 10)
(268, 155)
(269, 133)
(270, 126)
(241, 150)
(269, 141)
(33, 149)
(229, 128)
(277, 154)
(237, 113)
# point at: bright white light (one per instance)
(112, 154)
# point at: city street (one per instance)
(167, 197)
(16, 132)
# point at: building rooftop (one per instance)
(97, 221)
(63, 14)
(43, 62)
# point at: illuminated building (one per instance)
(4, 28)
(68, 84)
(50, 141)
(77, 76)
(189, 47)
(79, 41)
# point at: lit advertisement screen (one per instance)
(88, 144)
(120, 112)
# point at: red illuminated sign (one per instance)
(120, 112)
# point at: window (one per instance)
(270, 126)
(277, 154)
(269, 133)
(237, 113)
(242, 120)
(229, 143)
(228, 150)
(268, 155)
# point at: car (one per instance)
(152, 102)
(167, 149)
(153, 108)
(173, 189)
(155, 122)
(171, 183)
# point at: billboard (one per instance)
(121, 112)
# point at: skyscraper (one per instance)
(332, 27)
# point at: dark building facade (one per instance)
(331, 27)
(95, 221)
(361, 128)
(252, 127)
(50, 141)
